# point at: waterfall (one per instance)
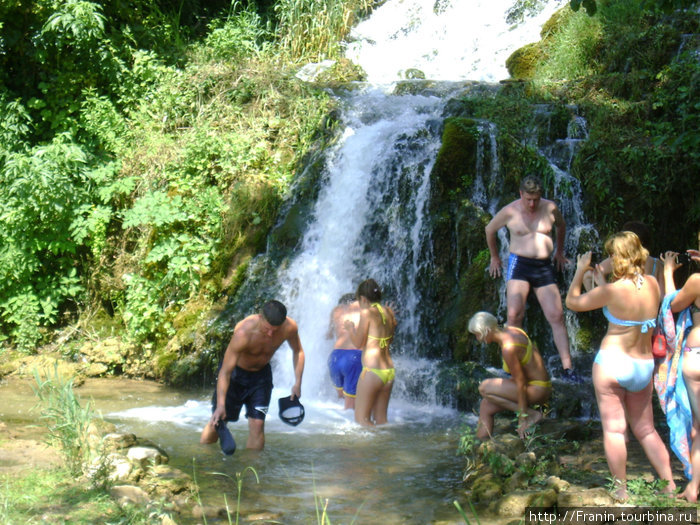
(446, 39)
(369, 219)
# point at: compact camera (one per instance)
(683, 258)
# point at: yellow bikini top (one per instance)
(528, 352)
(383, 341)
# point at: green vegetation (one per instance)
(144, 152)
(67, 422)
(55, 496)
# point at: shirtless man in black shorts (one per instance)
(530, 221)
(245, 376)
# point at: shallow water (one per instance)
(403, 473)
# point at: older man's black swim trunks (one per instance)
(537, 272)
(252, 389)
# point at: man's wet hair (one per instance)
(346, 299)
(274, 312)
(531, 184)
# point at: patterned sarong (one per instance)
(669, 383)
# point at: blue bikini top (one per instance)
(645, 325)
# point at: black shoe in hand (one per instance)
(228, 444)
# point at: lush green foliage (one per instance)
(313, 29)
(141, 158)
(636, 82)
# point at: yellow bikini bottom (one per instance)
(385, 374)
(539, 382)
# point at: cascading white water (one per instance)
(368, 220)
(445, 39)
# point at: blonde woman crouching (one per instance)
(528, 385)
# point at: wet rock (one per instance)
(208, 511)
(515, 503)
(168, 480)
(585, 498)
(116, 441)
(265, 517)
(557, 483)
(487, 488)
(412, 73)
(146, 456)
(129, 494)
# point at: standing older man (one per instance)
(530, 221)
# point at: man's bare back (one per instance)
(341, 313)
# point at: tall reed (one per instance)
(66, 420)
(313, 29)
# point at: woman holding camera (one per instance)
(689, 297)
(624, 365)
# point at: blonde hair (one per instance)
(628, 255)
(482, 324)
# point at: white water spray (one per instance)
(446, 40)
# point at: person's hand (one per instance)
(583, 263)
(694, 255)
(560, 261)
(495, 267)
(523, 426)
(348, 325)
(296, 392)
(598, 276)
(669, 260)
(218, 415)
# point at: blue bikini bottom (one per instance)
(632, 374)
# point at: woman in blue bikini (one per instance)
(373, 335)
(624, 365)
(689, 297)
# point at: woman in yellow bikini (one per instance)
(528, 385)
(373, 335)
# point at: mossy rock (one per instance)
(487, 488)
(556, 22)
(454, 165)
(460, 382)
(522, 63)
